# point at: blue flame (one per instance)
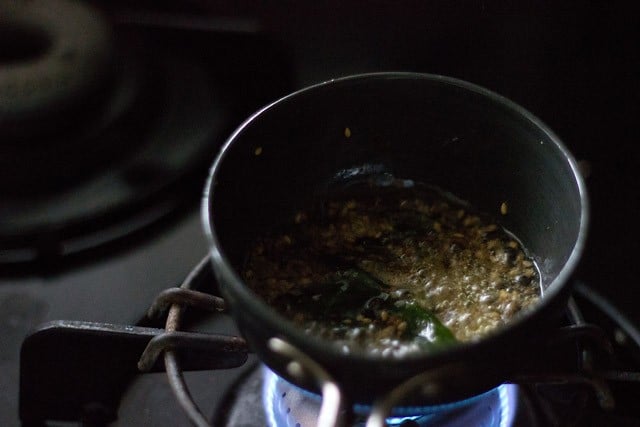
(268, 396)
(495, 408)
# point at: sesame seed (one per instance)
(504, 209)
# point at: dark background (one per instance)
(574, 64)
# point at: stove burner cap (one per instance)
(55, 56)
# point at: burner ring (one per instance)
(56, 56)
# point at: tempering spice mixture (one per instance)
(392, 271)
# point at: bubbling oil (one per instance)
(393, 270)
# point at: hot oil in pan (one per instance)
(393, 270)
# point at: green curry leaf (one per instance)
(346, 293)
(422, 323)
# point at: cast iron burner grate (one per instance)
(588, 390)
(330, 412)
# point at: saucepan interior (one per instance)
(431, 129)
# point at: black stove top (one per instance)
(592, 380)
(576, 68)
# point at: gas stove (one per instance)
(92, 248)
(587, 374)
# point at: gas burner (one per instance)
(595, 384)
(262, 398)
(138, 158)
(131, 139)
(588, 389)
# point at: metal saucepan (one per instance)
(433, 129)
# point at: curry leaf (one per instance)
(423, 323)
